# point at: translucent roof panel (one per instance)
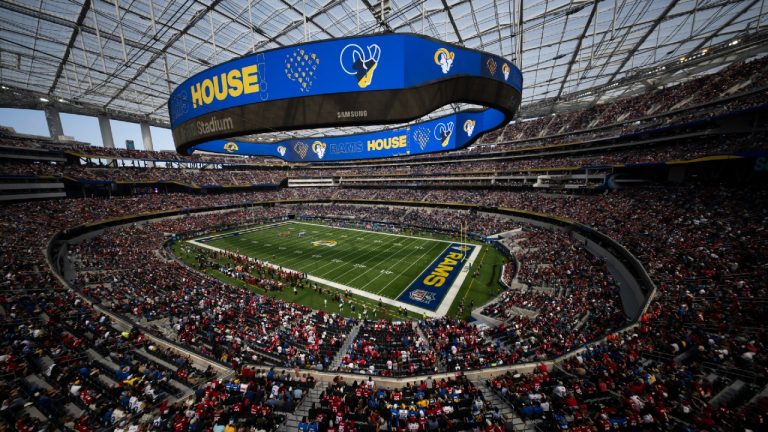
(125, 56)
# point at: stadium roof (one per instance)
(123, 57)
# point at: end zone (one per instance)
(435, 285)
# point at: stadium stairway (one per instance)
(420, 332)
(344, 348)
(509, 415)
(313, 396)
(726, 395)
(762, 394)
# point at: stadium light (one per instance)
(42, 99)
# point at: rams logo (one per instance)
(443, 132)
(327, 243)
(444, 59)
(422, 296)
(301, 149)
(354, 61)
(318, 147)
(230, 147)
(469, 127)
(281, 150)
(505, 71)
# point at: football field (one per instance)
(419, 273)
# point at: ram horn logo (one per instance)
(443, 132)
(230, 147)
(505, 71)
(355, 62)
(318, 147)
(421, 135)
(444, 58)
(469, 127)
(281, 150)
(491, 63)
(301, 149)
(422, 296)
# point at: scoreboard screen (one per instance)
(371, 80)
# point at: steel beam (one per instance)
(70, 44)
(577, 48)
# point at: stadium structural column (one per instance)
(106, 132)
(146, 136)
(53, 119)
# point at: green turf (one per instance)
(481, 289)
(376, 262)
(308, 297)
(379, 263)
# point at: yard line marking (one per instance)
(336, 253)
(352, 252)
(417, 276)
(286, 242)
(367, 259)
(261, 251)
(361, 293)
(382, 272)
(251, 229)
(392, 234)
(256, 249)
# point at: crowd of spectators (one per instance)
(561, 297)
(577, 128)
(552, 259)
(703, 246)
(65, 366)
(676, 149)
(738, 78)
(388, 348)
(431, 405)
(227, 322)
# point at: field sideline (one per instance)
(368, 263)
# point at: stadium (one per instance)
(384, 215)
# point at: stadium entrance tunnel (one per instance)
(358, 81)
(636, 290)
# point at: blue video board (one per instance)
(241, 96)
(441, 134)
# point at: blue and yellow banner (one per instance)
(388, 78)
(430, 288)
(441, 134)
